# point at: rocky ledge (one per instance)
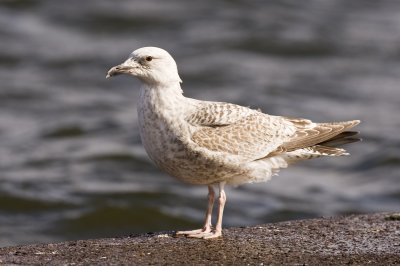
(355, 239)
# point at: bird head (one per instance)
(151, 65)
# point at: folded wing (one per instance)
(252, 136)
(238, 130)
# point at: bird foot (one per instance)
(214, 234)
(194, 233)
(204, 233)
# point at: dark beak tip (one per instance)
(117, 70)
(112, 72)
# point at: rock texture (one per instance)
(357, 239)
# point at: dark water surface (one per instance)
(71, 162)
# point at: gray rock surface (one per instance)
(356, 239)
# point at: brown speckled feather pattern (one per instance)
(252, 137)
(239, 130)
(216, 113)
(249, 133)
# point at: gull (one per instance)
(217, 143)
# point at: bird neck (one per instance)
(163, 100)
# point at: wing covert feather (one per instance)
(252, 137)
(217, 114)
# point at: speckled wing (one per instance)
(217, 114)
(238, 130)
(252, 136)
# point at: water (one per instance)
(71, 162)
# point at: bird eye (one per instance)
(149, 58)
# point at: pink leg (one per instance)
(221, 200)
(207, 223)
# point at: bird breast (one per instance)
(162, 125)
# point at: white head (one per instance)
(151, 65)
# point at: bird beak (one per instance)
(119, 69)
(128, 67)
